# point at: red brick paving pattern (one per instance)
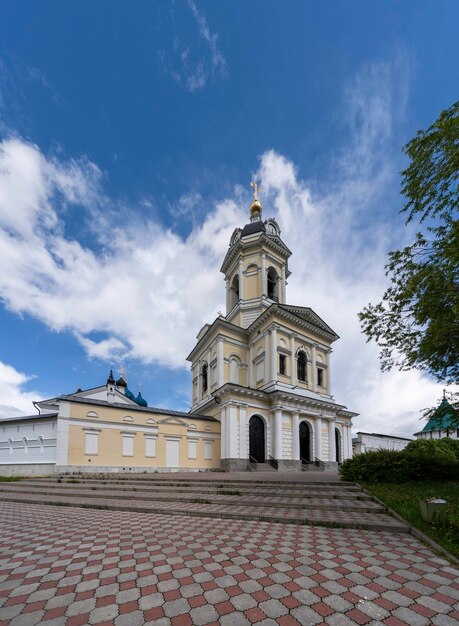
(71, 567)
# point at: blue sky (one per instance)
(129, 134)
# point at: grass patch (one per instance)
(228, 492)
(404, 499)
(200, 501)
(10, 479)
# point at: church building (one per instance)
(264, 369)
(261, 390)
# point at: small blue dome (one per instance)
(128, 393)
(141, 401)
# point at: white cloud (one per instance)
(192, 60)
(146, 291)
(14, 400)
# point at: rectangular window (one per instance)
(282, 364)
(128, 445)
(91, 442)
(150, 446)
(192, 449)
(320, 377)
(208, 445)
(260, 370)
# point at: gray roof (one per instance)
(136, 407)
(253, 227)
(37, 416)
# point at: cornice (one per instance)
(219, 322)
(277, 245)
(275, 309)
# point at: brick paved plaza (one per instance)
(68, 566)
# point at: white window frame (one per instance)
(150, 446)
(192, 448)
(208, 445)
(127, 444)
(91, 442)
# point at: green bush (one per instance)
(433, 459)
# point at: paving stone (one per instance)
(27, 619)
(229, 572)
(82, 606)
(203, 615)
(444, 620)
(103, 613)
(411, 617)
(61, 600)
(216, 595)
(243, 602)
(176, 607)
(151, 601)
(273, 608)
(134, 618)
(306, 615)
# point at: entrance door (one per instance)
(305, 442)
(172, 453)
(338, 445)
(257, 439)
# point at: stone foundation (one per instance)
(284, 465)
(234, 465)
(330, 466)
(24, 469)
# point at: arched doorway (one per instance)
(338, 445)
(305, 442)
(256, 439)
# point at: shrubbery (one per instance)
(433, 459)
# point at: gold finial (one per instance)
(256, 189)
(255, 208)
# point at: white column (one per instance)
(283, 285)
(328, 374)
(348, 435)
(243, 447)
(296, 437)
(250, 364)
(264, 284)
(274, 353)
(314, 368)
(220, 364)
(318, 442)
(209, 371)
(331, 441)
(292, 360)
(241, 281)
(267, 359)
(278, 434)
(223, 433)
(231, 432)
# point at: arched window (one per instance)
(204, 378)
(24, 441)
(234, 371)
(40, 443)
(234, 291)
(301, 366)
(273, 284)
(10, 445)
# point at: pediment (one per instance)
(176, 421)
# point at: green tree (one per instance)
(416, 324)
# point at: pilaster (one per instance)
(296, 437)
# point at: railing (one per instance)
(305, 463)
(273, 462)
(252, 463)
(320, 464)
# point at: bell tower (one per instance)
(255, 267)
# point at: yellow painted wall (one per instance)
(110, 440)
